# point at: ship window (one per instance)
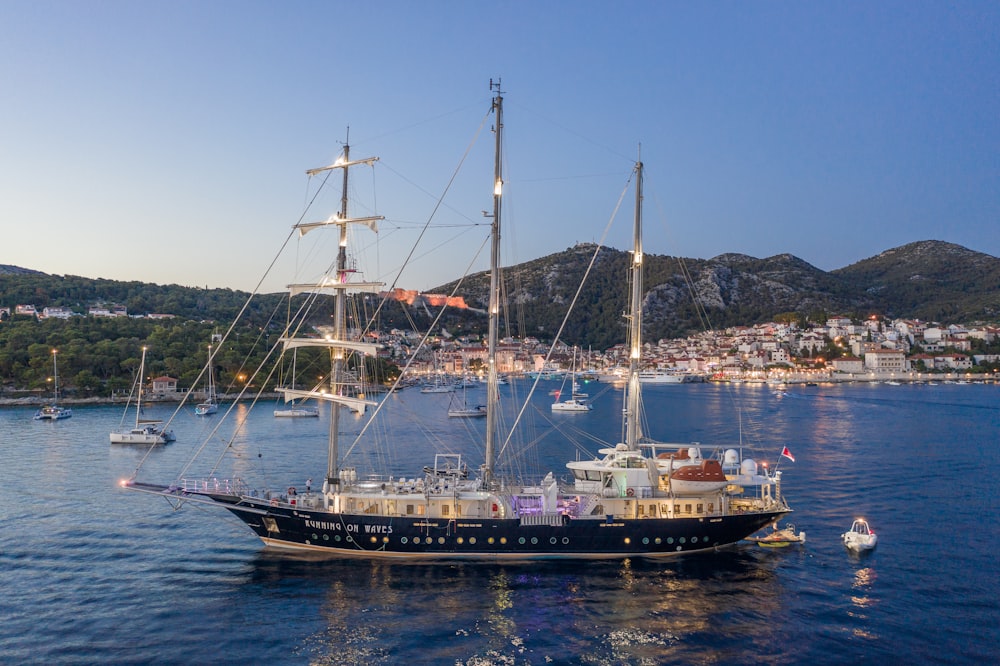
(444, 509)
(687, 508)
(409, 509)
(711, 508)
(421, 510)
(598, 510)
(642, 510)
(701, 508)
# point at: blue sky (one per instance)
(167, 142)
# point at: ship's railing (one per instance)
(213, 484)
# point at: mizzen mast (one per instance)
(492, 392)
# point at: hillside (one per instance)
(929, 280)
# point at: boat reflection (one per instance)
(629, 611)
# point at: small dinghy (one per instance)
(860, 537)
(786, 536)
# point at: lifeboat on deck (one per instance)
(705, 477)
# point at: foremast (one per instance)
(492, 392)
(340, 285)
(633, 399)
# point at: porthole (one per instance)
(565, 540)
(627, 541)
(490, 540)
(521, 541)
(472, 540)
(682, 540)
(337, 538)
(460, 540)
(403, 541)
(645, 541)
(657, 541)
(326, 537)
(440, 539)
(552, 541)
(503, 540)
(374, 540)
(385, 539)
(350, 539)
(670, 539)
(534, 540)
(315, 536)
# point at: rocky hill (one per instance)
(929, 280)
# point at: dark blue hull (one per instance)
(404, 537)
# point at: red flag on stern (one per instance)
(787, 454)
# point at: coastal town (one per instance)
(841, 349)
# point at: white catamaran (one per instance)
(637, 498)
(145, 431)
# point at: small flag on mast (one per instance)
(787, 454)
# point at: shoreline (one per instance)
(868, 378)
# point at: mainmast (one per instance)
(632, 426)
(492, 393)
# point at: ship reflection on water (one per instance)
(630, 611)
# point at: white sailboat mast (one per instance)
(632, 421)
(492, 392)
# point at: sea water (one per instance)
(94, 574)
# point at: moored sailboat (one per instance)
(210, 405)
(617, 506)
(54, 412)
(145, 431)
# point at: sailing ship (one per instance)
(144, 431)
(54, 412)
(619, 505)
(210, 406)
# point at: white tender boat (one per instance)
(860, 537)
